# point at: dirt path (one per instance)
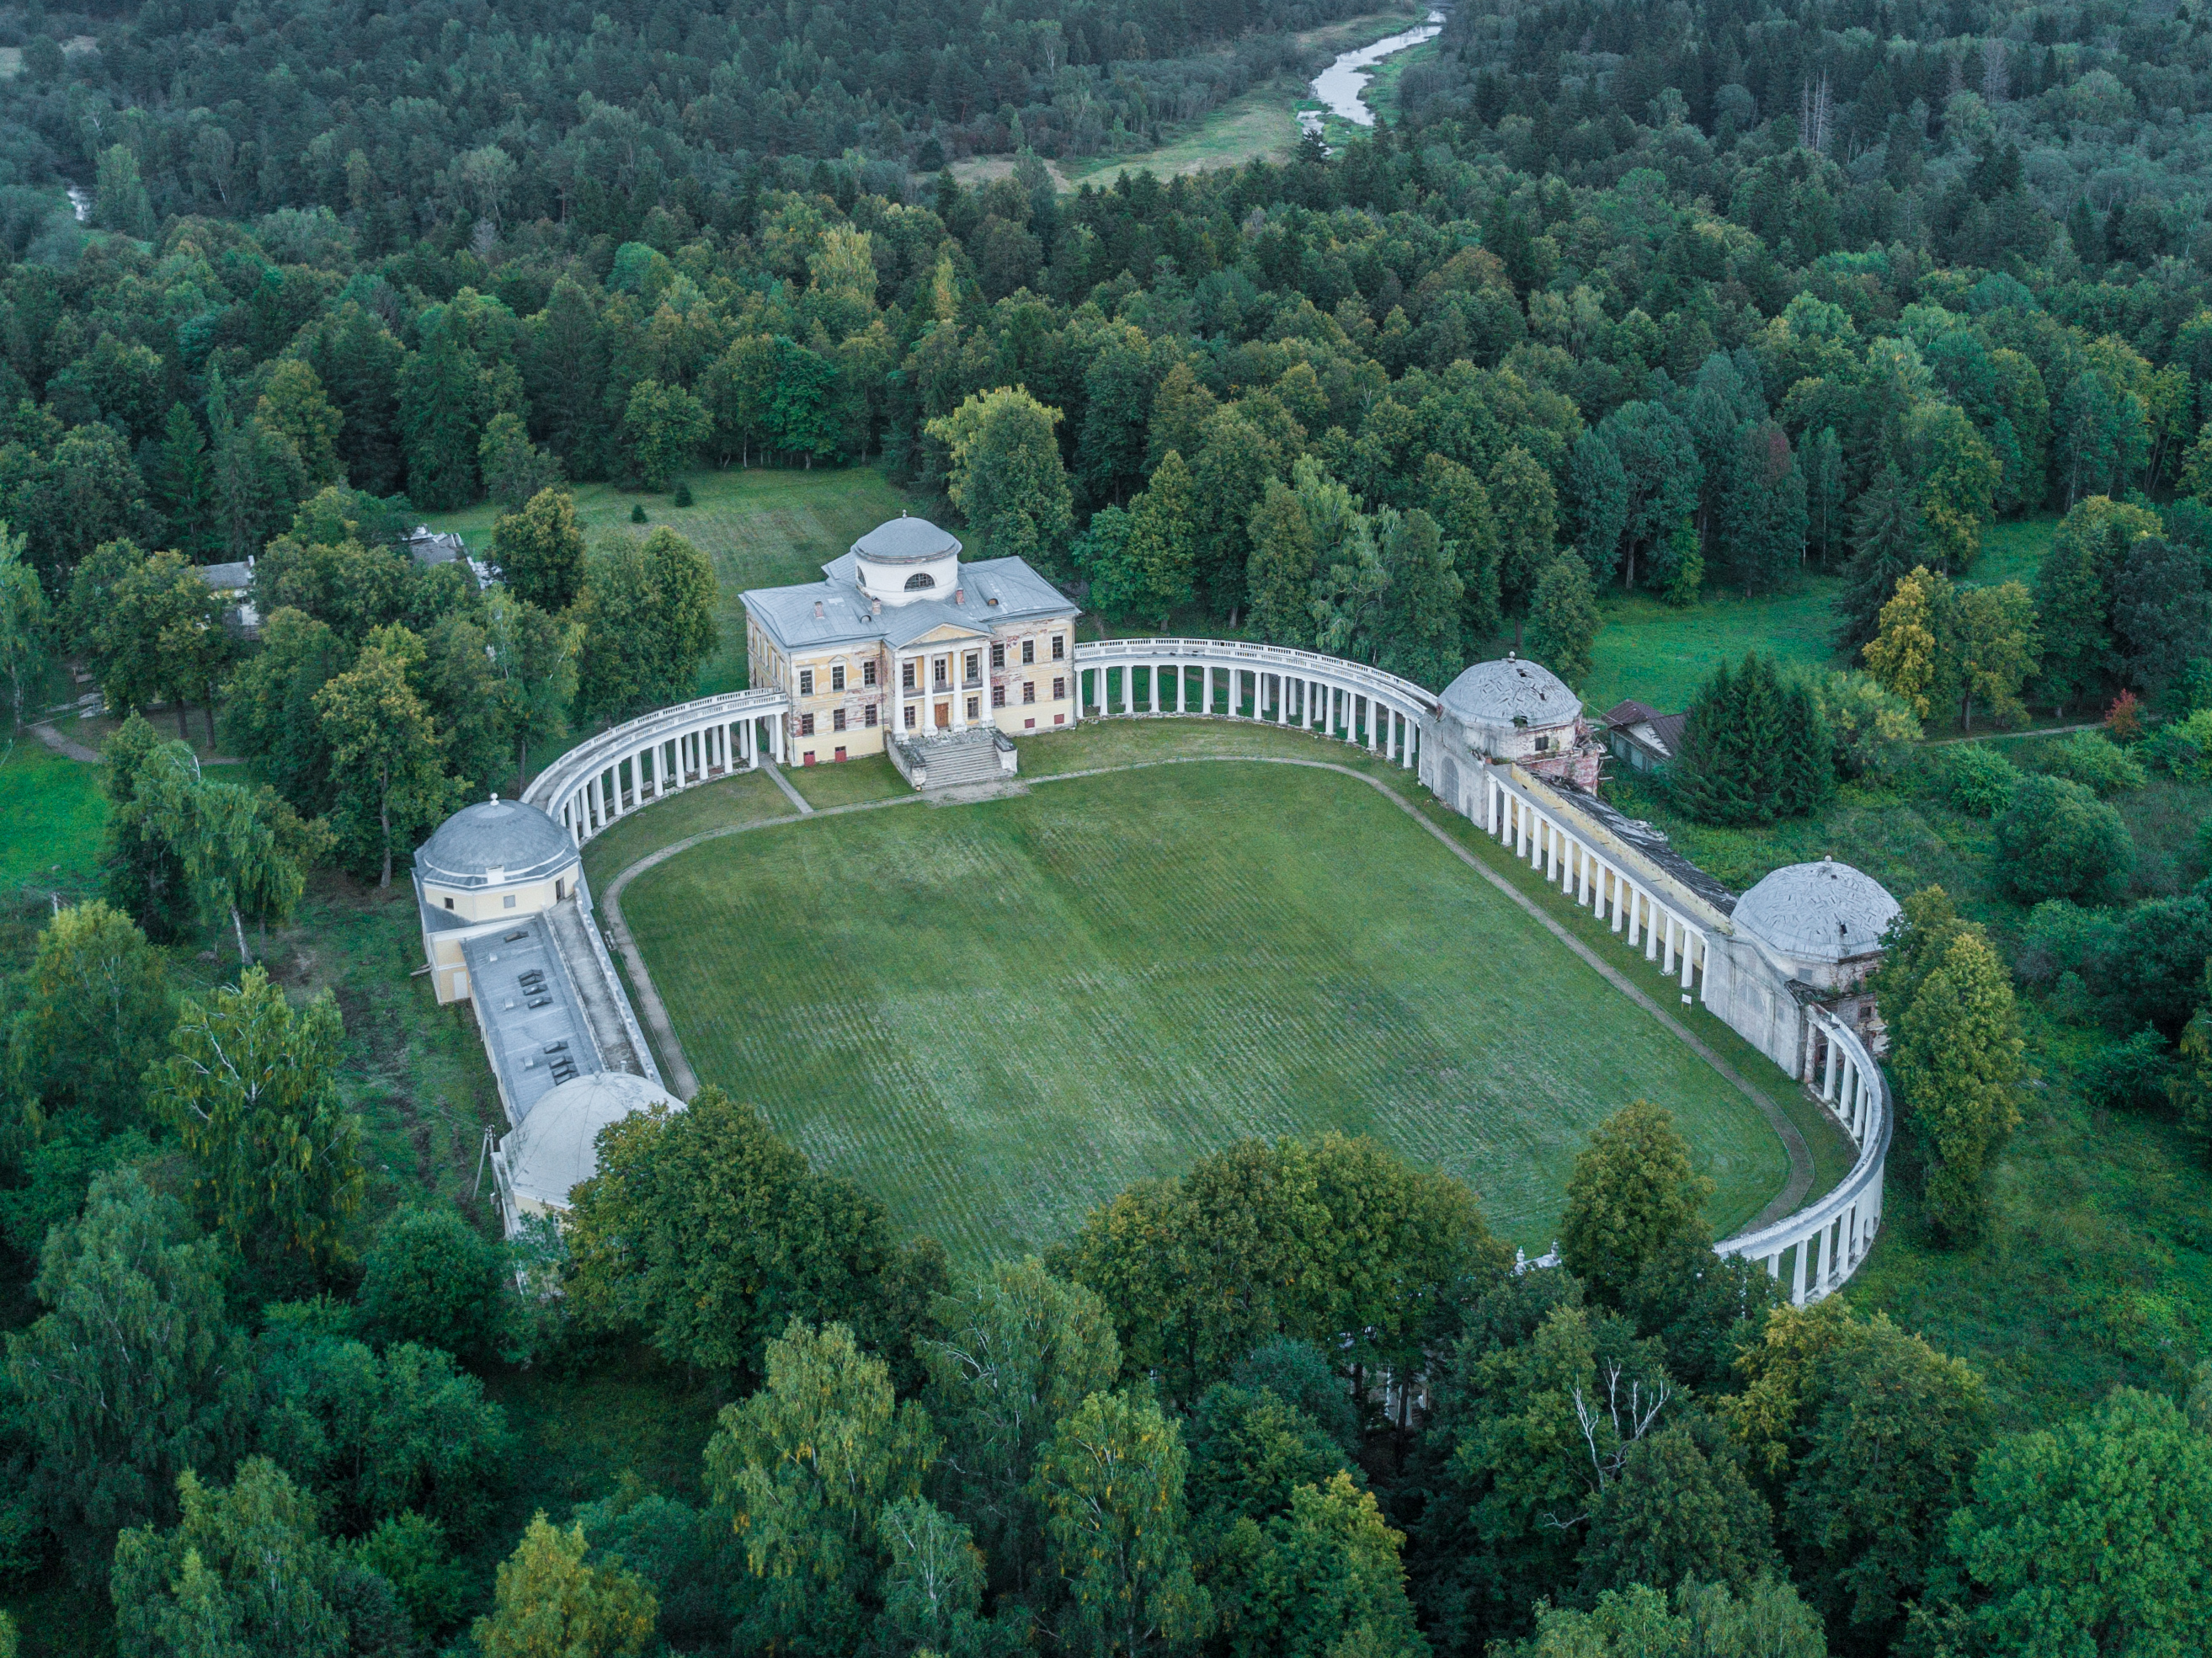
(61, 745)
(686, 1083)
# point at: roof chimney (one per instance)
(959, 595)
(819, 613)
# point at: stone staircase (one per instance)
(955, 760)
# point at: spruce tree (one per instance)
(184, 485)
(1885, 538)
(1703, 779)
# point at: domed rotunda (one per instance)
(1808, 936)
(1521, 711)
(553, 1151)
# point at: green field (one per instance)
(762, 528)
(998, 1015)
(54, 812)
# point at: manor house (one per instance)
(901, 639)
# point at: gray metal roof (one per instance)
(1823, 912)
(235, 578)
(518, 1036)
(519, 841)
(835, 611)
(904, 540)
(1513, 691)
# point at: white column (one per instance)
(1667, 952)
(1128, 689)
(1804, 1261)
(1658, 918)
(1689, 939)
(1828, 1068)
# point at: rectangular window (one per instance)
(974, 674)
(974, 713)
(905, 675)
(867, 673)
(1029, 690)
(868, 716)
(1060, 690)
(841, 754)
(998, 656)
(1059, 647)
(1059, 719)
(807, 725)
(837, 678)
(507, 902)
(806, 682)
(449, 903)
(1029, 725)
(909, 716)
(806, 759)
(837, 719)
(940, 670)
(998, 696)
(1029, 651)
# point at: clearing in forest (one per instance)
(997, 1015)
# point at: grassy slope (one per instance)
(761, 528)
(998, 1015)
(52, 810)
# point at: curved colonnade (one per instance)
(1824, 1241)
(647, 759)
(1382, 713)
(632, 765)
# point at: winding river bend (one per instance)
(1340, 85)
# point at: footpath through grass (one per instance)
(998, 1015)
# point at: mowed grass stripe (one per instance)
(998, 1015)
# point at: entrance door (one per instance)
(944, 716)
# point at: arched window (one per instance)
(922, 579)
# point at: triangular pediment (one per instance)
(945, 633)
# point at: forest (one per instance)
(1680, 306)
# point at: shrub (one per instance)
(1975, 779)
(2057, 840)
(2095, 761)
(434, 1279)
(1871, 726)
(2128, 1075)
(637, 512)
(683, 496)
(2184, 747)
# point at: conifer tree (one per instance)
(184, 485)
(1886, 536)
(1281, 567)
(1563, 619)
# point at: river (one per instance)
(1340, 85)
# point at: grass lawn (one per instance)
(998, 1015)
(761, 527)
(54, 813)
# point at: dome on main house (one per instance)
(494, 842)
(904, 540)
(1510, 692)
(1823, 912)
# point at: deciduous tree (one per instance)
(131, 1374)
(550, 1604)
(1564, 620)
(1006, 472)
(250, 1087)
(386, 761)
(1633, 1193)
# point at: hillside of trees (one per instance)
(1663, 302)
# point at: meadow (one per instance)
(997, 1015)
(760, 528)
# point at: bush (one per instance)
(1871, 726)
(2057, 840)
(1975, 779)
(2128, 1075)
(637, 512)
(2095, 761)
(434, 1279)
(683, 496)
(2184, 747)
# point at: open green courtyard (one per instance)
(996, 1015)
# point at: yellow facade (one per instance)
(1019, 678)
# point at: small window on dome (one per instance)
(920, 579)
